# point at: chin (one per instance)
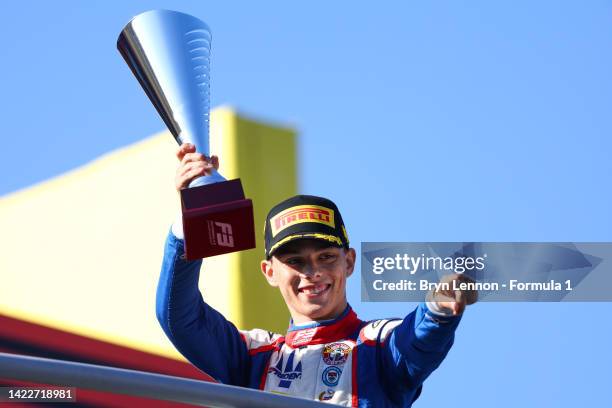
(317, 311)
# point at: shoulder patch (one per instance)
(257, 338)
(369, 333)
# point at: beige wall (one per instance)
(82, 251)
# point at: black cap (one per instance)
(304, 216)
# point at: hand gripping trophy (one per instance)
(169, 53)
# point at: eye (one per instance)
(328, 257)
(293, 261)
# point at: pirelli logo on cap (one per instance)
(299, 214)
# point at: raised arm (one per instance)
(198, 331)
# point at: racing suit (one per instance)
(344, 361)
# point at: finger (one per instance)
(459, 296)
(457, 309)
(447, 306)
(445, 302)
(190, 167)
(469, 296)
(195, 173)
(181, 181)
(184, 149)
(181, 184)
(444, 296)
(201, 168)
(453, 305)
(459, 302)
(184, 180)
(185, 176)
(194, 157)
(215, 162)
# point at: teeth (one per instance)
(314, 290)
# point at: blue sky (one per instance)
(435, 121)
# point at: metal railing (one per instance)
(140, 384)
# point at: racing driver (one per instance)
(328, 353)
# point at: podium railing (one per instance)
(140, 384)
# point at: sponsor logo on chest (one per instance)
(326, 395)
(331, 376)
(336, 353)
(303, 336)
(287, 373)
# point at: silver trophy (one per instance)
(169, 53)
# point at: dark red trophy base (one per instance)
(217, 219)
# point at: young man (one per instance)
(328, 353)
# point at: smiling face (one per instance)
(311, 276)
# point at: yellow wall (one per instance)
(82, 251)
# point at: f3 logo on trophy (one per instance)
(225, 237)
(221, 234)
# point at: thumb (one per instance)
(459, 302)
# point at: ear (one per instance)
(266, 269)
(350, 261)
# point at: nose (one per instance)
(311, 271)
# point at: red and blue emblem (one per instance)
(336, 353)
(331, 376)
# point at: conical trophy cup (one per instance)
(169, 53)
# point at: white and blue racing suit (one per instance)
(343, 361)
